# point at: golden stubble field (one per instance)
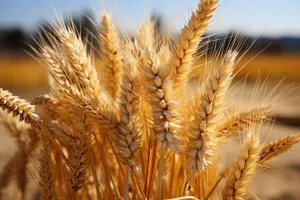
(24, 77)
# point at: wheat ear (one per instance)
(167, 129)
(128, 140)
(164, 108)
(46, 180)
(79, 162)
(80, 61)
(18, 107)
(110, 57)
(186, 46)
(277, 147)
(201, 142)
(238, 122)
(61, 76)
(238, 174)
(146, 34)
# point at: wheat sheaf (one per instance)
(127, 127)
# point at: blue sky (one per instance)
(255, 17)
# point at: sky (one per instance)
(273, 18)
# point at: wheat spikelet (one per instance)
(186, 46)
(47, 189)
(201, 142)
(277, 147)
(110, 57)
(18, 107)
(238, 122)
(238, 174)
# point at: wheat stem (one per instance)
(93, 167)
(161, 172)
(151, 169)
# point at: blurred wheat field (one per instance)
(26, 72)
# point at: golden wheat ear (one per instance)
(237, 122)
(164, 108)
(80, 61)
(129, 136)
(146, 35)
(240, 172)
(191, 35)
(201, 136)
(59, 72)
(277, 147)
(46, 174)
(110, 57)
(18, 107)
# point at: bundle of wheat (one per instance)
(126, 128)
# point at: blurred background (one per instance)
(271, 33)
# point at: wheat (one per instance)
(46, 173)
(146, 35)
(18, 107)
(275, 148)
(181, 60)
(239, 174)
(110, 57)
(201, 138)
(237, 122)
(126, 125)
